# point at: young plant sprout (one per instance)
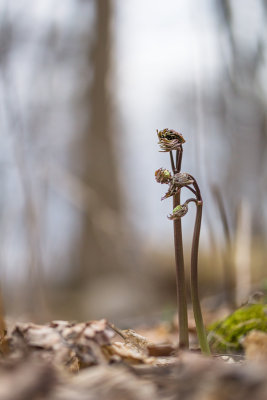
(172, 141)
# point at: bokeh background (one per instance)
(84, 84)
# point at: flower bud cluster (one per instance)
(171, 140)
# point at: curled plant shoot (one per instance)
(169, 141)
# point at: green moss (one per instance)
(225, 335)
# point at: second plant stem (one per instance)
(202, 337)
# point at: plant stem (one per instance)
(172, 162)
(179, 156)
(202, 337)
(180, 279)
(179, 261)
(192, 190)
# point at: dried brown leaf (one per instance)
(128, 353)
(255, 344)
(64, 343)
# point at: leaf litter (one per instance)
(96, 360)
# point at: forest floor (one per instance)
(96, 360)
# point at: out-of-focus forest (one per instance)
(83, 87)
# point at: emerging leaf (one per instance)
(182, 179)
(179, 211)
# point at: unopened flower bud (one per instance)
(163, 175)
(178, 211)
(182, 179)
(169, 139)
(177, 182)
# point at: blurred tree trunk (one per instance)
(245, 117)
(95, 159)
(102, 165)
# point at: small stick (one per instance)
(117, 330)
